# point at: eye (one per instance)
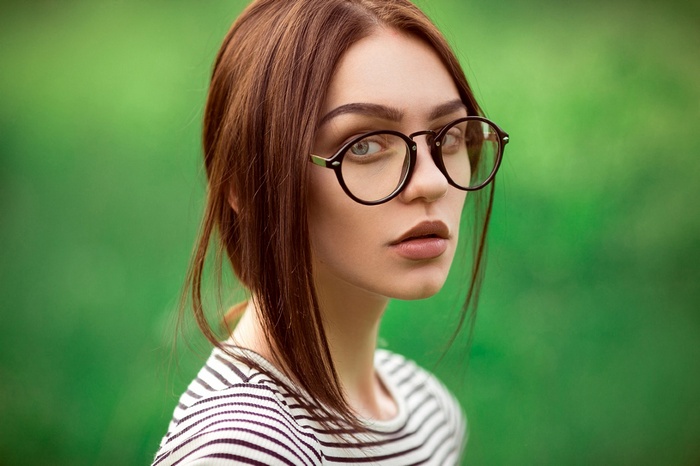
(372, 148)
(365, 147)
(452, 139)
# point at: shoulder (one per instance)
(234, 414)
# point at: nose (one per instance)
(427, 182)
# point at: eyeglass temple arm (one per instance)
(321, 162)
(492, 137)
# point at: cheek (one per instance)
(461, 202)
(336, 229)
(340, 229)
(328, 212)
(456, 205)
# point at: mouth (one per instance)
(427, 240)
(425, 230)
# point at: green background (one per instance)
(586, 349)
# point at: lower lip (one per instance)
(421, 248)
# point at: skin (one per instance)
(356, 268)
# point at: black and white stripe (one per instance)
(234, 414)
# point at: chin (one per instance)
(420, 290)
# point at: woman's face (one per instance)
(403, 248)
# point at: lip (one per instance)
(427, 240)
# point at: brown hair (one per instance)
(267, 89)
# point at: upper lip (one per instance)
(423, 229)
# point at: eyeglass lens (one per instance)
(376, 166)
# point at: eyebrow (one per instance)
(445, 109)
(389, 113)
(382, 111)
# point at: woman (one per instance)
(340, 140)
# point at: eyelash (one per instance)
(354, 134)
(353, 131)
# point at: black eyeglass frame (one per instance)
(433, 137)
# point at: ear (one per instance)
(233, 199)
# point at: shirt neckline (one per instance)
(378, 425)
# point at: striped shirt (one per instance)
(234, 414)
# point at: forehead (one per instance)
(394, 69)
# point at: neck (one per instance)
(351, 322)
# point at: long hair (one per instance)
(267, 88)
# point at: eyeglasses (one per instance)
(375, 167)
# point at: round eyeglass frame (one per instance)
(433, 137)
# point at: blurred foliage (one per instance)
(586, 347)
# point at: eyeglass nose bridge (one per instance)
(430, 137)
(433, 145)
